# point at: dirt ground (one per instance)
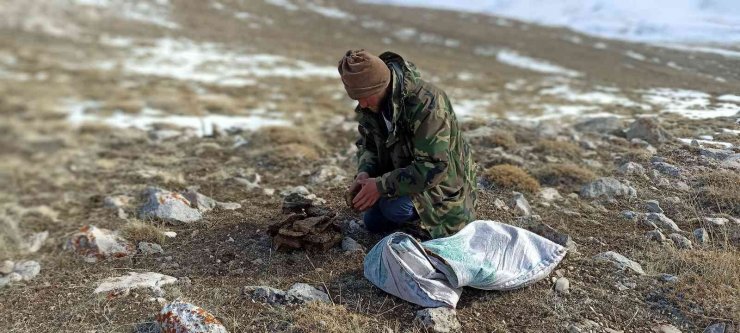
(56, 170)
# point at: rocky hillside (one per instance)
(147, 146)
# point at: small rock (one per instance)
(716, 221)
(97, 244)
(350, 245)
(519, 203)
(199, 201)
(600, 125)
(662, 221)
(648, 129)
(667, 169)
(500, 204)
(666, 328)
(562, 285)
(122, 285)
(228, 205)
(552, 234)
(655, 235)
(550, 194)
(619, 261)
(328, 175)
(354, 226)
(717, 328)
(303, 293)
(607, 187)
(631, 168)
(250, 185)
(265, 294)
(269, 192)
(653, 206)
(441, 320)
(4, 281)
(170, 234)
(180, 316)
(117, 201)
(731, 162)
(702, 236)
(680, 241)
(27, 269)
(6, 267)
(625, 285)
(257, 262)
(629, 215)
(168, 206)
(147, 248)
(297, 199)
(668, 278)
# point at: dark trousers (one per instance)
(389, 214)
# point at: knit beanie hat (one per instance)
(363, 74)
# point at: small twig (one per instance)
(629, 322)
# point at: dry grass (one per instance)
(558, 149)
(708, 279)
(320, 317)
(136, 231)
(637, 155)
(511, 177)
(567, 176)
(500, 138)
(720, 191)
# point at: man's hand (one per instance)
(368, 196)
(356, 183)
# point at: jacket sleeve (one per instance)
(431, 139)
(367, 155)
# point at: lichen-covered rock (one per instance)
(648, 129)
(667, 169)
(631, 168)
(662, 221)
(27, 269)
(655, 235)
(441, 320)
(680, 241)
(122, 285)
(619, 261)
(150, 248)
(301, 293)
(328, 175)
(182, 317)
(607, 187)
(168, 206)
(702, 236)
(95, 244)
(265, 294)
(199, 201)
(520, 205)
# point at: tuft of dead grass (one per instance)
(568, 176)
(707, 278)
(508, 176)
(720, 191)
(137, 231)
(558, 149)
(500, 138)
(321, 317)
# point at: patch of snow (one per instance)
(83, 112)
(673, 65)
(486, 51)
(286, 4)
(688, 103)
(405, 33)
(154, 12)
(703, 49)
(646, 21)
(635, 55)
(467, 108)
(707, 142)
(573, 39)
(515, 59)
(554, 112)
(729, 98)
(217, 6)
(330, 12)
(567, 93)
(731, 131)
(600, 46)
(183, 59)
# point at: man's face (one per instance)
(371, 102)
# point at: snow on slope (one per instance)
(684, 21)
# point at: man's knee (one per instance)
(374, 220)
(398, 210)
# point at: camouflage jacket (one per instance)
(423, 155)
